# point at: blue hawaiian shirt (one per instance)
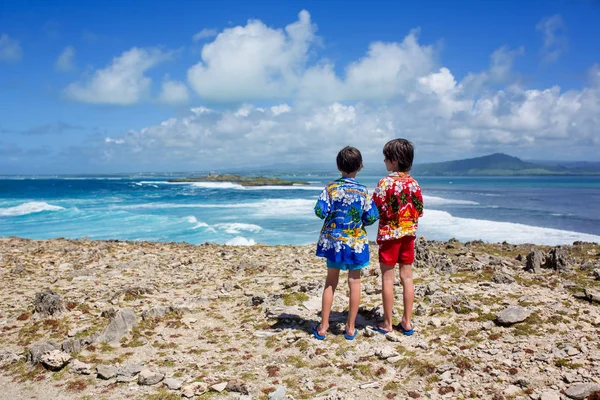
(347, 208)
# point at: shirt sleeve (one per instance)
(379, 197)
(323, 205)
(418, 200)
(370, 213)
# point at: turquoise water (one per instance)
(541, 210)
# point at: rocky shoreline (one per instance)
(112, 320)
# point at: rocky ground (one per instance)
(113, 320)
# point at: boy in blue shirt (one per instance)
(346, 207)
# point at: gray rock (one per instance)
(155, 312)
(535, 260)
(512, 315)
(512, 390)
(118, 326)
(431, 288)
(219, 387)
(596, 274)
(502, 278)
(148, 377)
(581, 390)
(80, 368)
(237, 386)
(258, 299)
(592, 296)
(106, 371)
(557, 260)
(385, 353)
(7, 357)
(291, 313)
(550, 395)
(130, 370)
(71, 346)
(38, 349)
(444, 266)
(278, 394)
(172, 383)
(420, 310)
(48, 303)
(392, 337)
(55, 360)
(194, 389)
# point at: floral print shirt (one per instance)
(346, 207)
(400, 203)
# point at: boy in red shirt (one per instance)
(400, 203)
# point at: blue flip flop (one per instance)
(380, 330)
(405, 331)
(351, 337)
(316, 334)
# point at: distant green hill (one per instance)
(501, 164)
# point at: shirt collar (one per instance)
(347, 179)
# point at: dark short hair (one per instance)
(349, 159)
(400, 150)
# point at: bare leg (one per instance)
(387, 294)
(331, 282)
(354, 286)
(408, 295)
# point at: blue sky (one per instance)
(156, 86)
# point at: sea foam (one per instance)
(28, 208)
(444, 225)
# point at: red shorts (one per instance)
(402, 251)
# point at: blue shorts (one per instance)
(346, 267)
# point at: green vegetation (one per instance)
(241, 180)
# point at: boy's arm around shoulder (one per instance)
(370, 213)
(323, 205)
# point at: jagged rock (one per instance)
(106, 371)
(48, 303)
(172, 383)
(37, 350)
(431, 288)
(550, 395)
(392, 337)
(237, 386)
(219, 387)
(535, 260)
(129, 371)
(118, 326)
(194, 389)
(512, 315)
(445, 266)
(420, 310)
(7, 357)
(557, 260)
(592, 296)
(386, 352)
(55, 360)
(581, 390)
(596, 274)
(278, 394)
(133, 291)
(155, 312)
(80, 368)
(502, 278)
(71, 346)
(258, 299)
(148, 377)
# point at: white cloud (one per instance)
(65, 61)
(555, 40)
(204, 34)
(10, 49)
(281, 109)
(123, 82)
(253, 61)
(174, 92)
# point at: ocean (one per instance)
(538, 210)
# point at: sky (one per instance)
(155, 86)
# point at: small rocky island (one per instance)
(241, 180)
